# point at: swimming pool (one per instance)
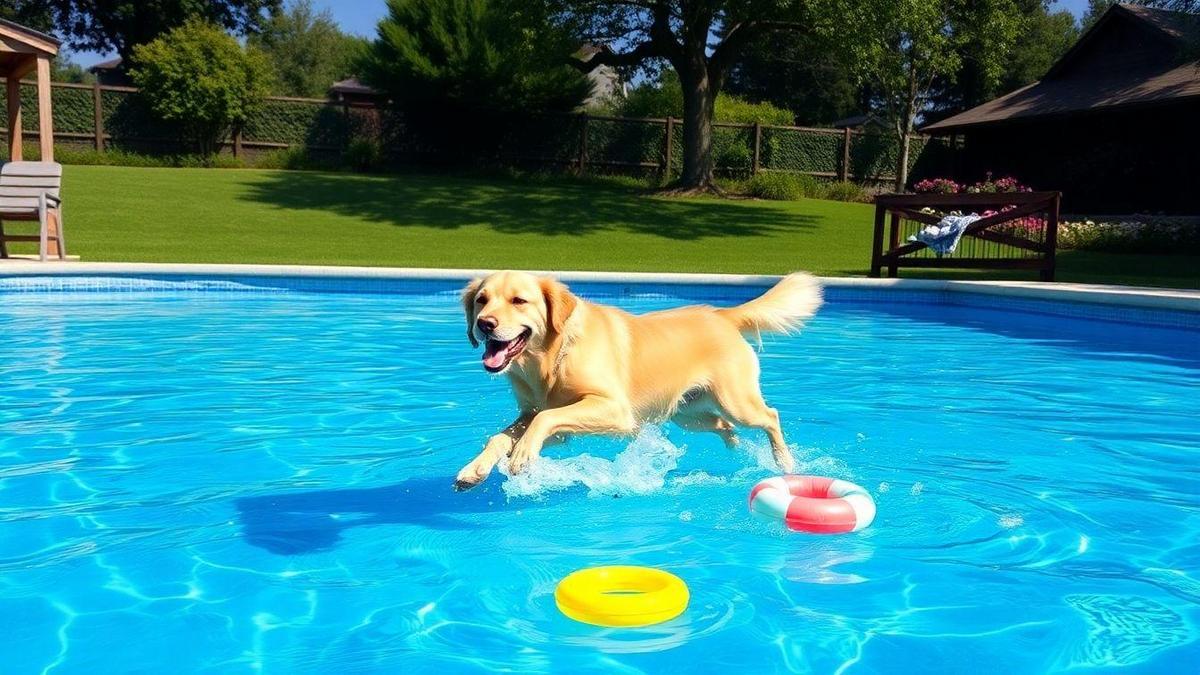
(215, 476)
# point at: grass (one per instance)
(261, 216)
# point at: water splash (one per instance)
(641, 468)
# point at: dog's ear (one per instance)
(560, 302)
(468, 302)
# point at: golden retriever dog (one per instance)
(578, 367)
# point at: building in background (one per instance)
(1113, 124)
(606, 81)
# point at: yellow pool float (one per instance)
(621, 596)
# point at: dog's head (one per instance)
(513, 312)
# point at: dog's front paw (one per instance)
(520, 459)
(471, 475)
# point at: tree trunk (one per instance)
(906, 130)
(698, 101)
(902, 159)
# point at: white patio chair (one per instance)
(30, 191)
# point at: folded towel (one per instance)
(943, 237)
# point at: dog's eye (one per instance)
(481, 300)
(519, 301)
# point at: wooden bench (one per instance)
(1018, 230)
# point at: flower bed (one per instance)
(1030, 227)
(1132, 234)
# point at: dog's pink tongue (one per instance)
(494, 354)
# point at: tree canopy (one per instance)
(800, 73)
(119, 25)
(473, 55)
(35, 14)
(905, 49)
(307, 50)
(458, 68)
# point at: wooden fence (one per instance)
(89, 125)
(738, 149)
(102, 117)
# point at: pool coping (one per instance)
(1127, 296)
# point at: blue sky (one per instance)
(360, 16)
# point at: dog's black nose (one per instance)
(486, 324)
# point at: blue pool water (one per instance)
(237, 482)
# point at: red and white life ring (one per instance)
(813, 504)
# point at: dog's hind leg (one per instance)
(741, 400)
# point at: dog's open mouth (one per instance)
(497, 354)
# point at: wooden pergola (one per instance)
(23, 51)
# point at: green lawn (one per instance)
(251, 216)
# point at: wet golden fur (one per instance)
(588, 368)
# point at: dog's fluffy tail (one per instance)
(782, 309)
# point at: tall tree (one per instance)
(307, 49)
(119, 25)
(32, 13)
(905, 48)
(798, 72)
(452, 64)
(1045, 36)
(700, 39)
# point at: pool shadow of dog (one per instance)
(304, 522)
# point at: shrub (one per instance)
(363, 154)
(208, 162)
(784, 186)
(732, 156)
(295, 159)
(845, 191)
(665, 99)
(119, 157)
(735, 110)
(198, 78)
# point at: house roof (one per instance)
(855, 121)
(111, 64)
(351, 86)
(1151, 73)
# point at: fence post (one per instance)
(237, 141)
(877, 241)
(667, 152)
(757, 148)
(98, 116)
(1047, 273)
(893, 244)
(844, 169)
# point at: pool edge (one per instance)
(1128, 296)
